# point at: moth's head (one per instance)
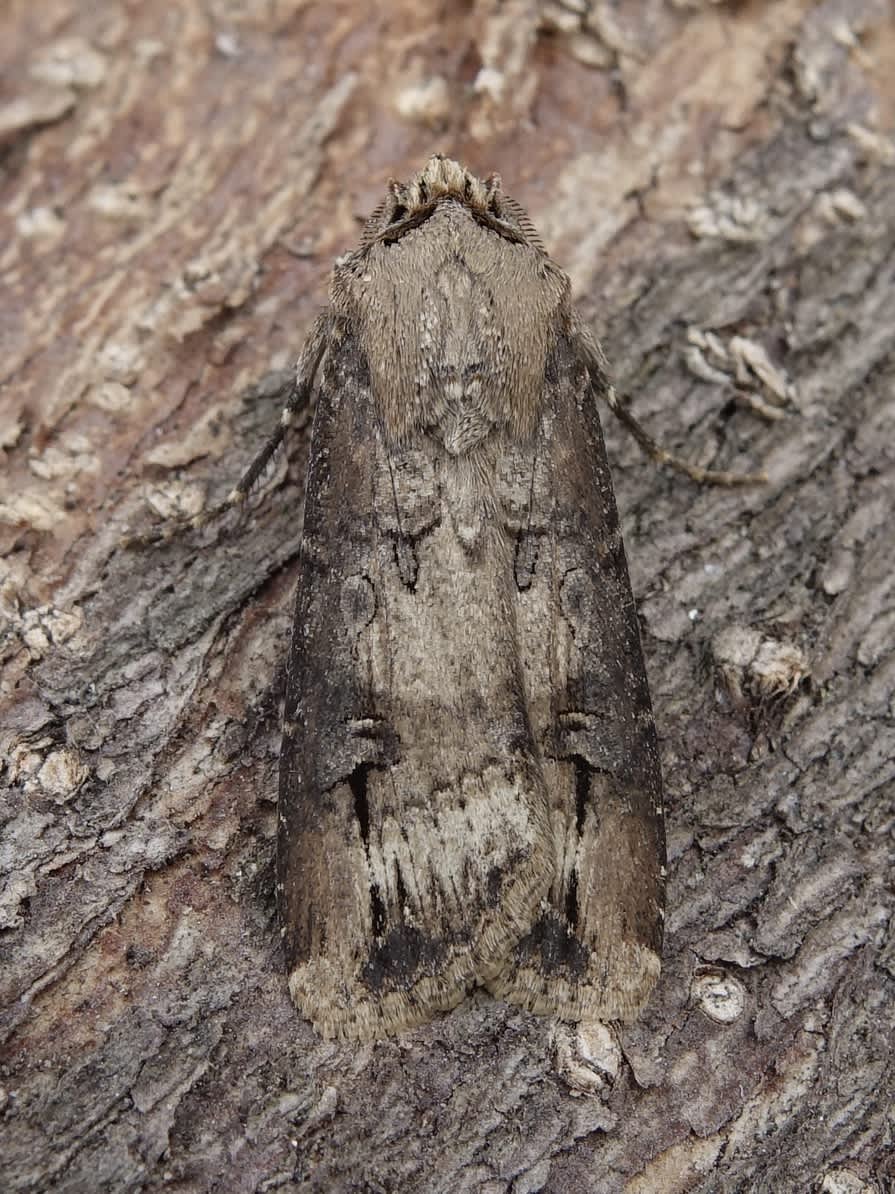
(409, 204)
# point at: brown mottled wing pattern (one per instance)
(594, 951)
(414, 839)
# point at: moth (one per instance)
(470, 791)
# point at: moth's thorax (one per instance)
(457, 322)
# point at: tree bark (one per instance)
(717, 178)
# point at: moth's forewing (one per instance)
(415, 844)
(595, 949)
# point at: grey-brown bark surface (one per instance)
(718, 179)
